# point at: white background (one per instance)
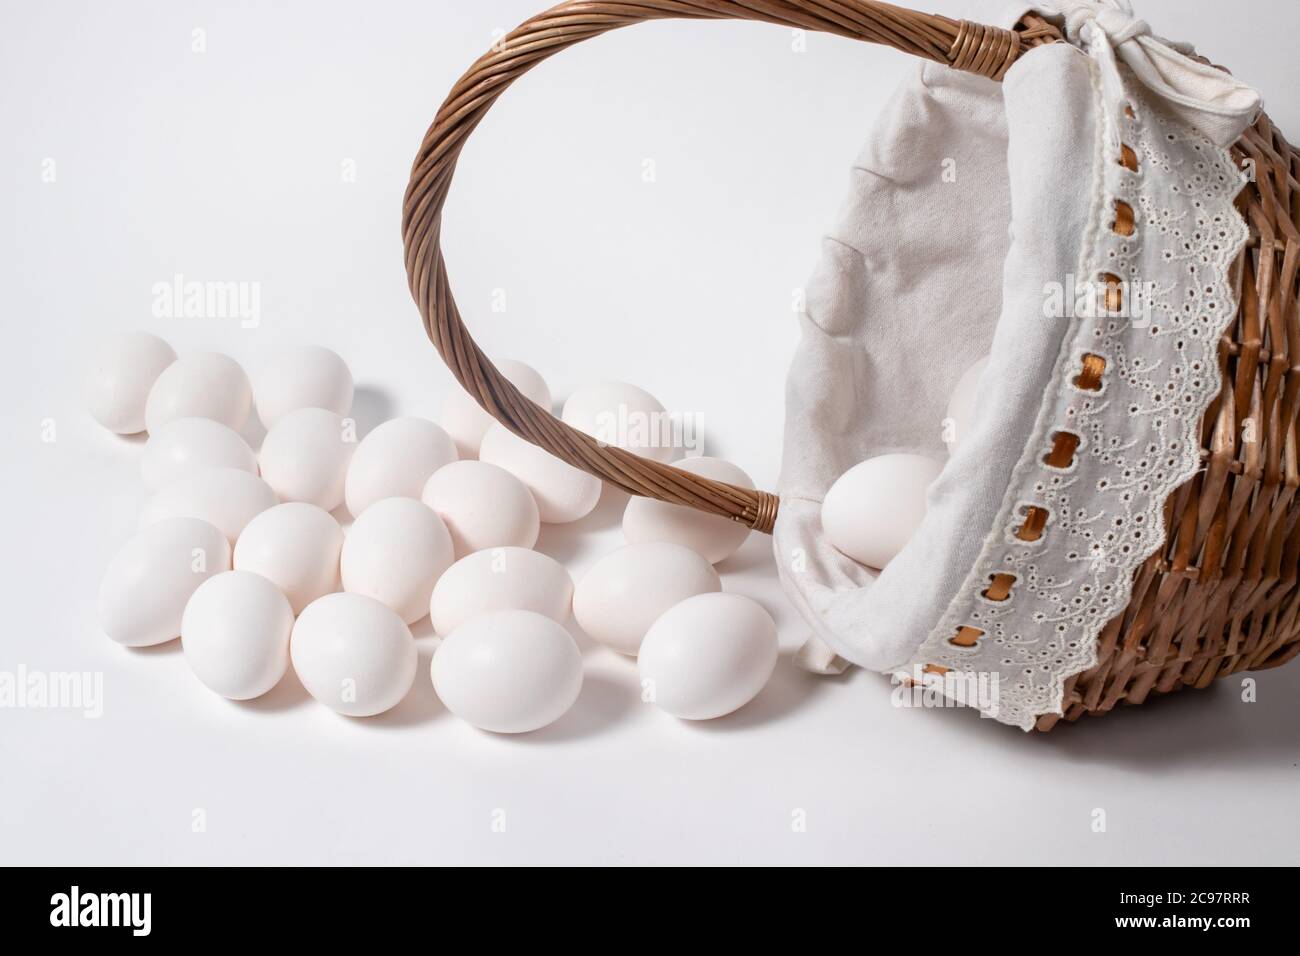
(226, 165)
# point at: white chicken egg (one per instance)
(394, 552)
(395, 460)
(123, 371)
(466, 421)
(200, 385)
(235, 634)
(144, 591)
(509, 672)
(708, 656)
(616, 413)
(713, 536)
(499, 579)
(627, 591)
(189, 445)
(309, 376)
(563, 493)
(875, 507)
(296, 547)
(483, 506)
(226, 497)
(961, 405)
(305, 456)
(353, 654)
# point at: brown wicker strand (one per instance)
(985, 50)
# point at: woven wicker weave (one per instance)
(1221, 597)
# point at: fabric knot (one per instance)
(1117, 22)
(1200, 95)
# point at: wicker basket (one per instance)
(1220, 597)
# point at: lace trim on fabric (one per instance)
(1131, 427)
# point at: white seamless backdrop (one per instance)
(277, 155)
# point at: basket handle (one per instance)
(972, 47)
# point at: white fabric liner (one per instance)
(906, 297)
(919, 280)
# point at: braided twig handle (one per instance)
(963, 45)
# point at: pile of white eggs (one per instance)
(873, 509)
(243, 556)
